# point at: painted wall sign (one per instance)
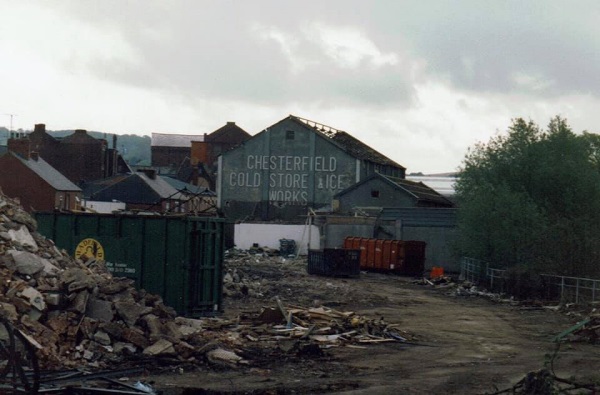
(89, 248)
(288, 176)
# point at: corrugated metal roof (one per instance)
(350, 144)
(174, 140)
(442, 184)
(419, 190)
(48, 173)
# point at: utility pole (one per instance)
(11, 120)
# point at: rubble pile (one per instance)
(73, 310)
(325, 325)
(587, 330)
(266, 275)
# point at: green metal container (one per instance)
(179, 258)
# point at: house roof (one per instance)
(80, 136)
(132, 188)
(48, 173)
(350, 144)
(418, 190)
(228, 133)
(189, 188)
(174, 140)
(160, 186)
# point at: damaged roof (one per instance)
(350, 144)
(185, 187)
(418, 190)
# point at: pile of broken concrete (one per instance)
(74, 311)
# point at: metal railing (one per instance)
(572, 289)
(473, 270)
(565, 289)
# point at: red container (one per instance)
(378, 262)
(398, 256)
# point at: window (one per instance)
(374, 193)
(289, 135)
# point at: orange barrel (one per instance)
(436, 272)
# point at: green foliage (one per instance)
(135, 149)
(532, 198)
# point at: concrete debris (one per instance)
(161, 347)
(22, 237)
(224, 357)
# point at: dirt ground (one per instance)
(458, 344)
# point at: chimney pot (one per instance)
(230, 123)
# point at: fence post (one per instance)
(562, 287)
(594, 291)
(577, 291)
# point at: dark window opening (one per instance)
(289, 135)
(374, 193)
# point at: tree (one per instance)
(532, 198)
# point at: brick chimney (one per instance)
(21, 147)
(39, 127)
(34, 155)
(80, 131)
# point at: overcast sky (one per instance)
(420, 81)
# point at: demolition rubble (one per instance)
(77, 315)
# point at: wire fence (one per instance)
(579, 290)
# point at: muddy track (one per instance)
(461, 345)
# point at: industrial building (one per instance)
(291, 166)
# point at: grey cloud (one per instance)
(481, 45)
(211, 49)
(205, 47)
